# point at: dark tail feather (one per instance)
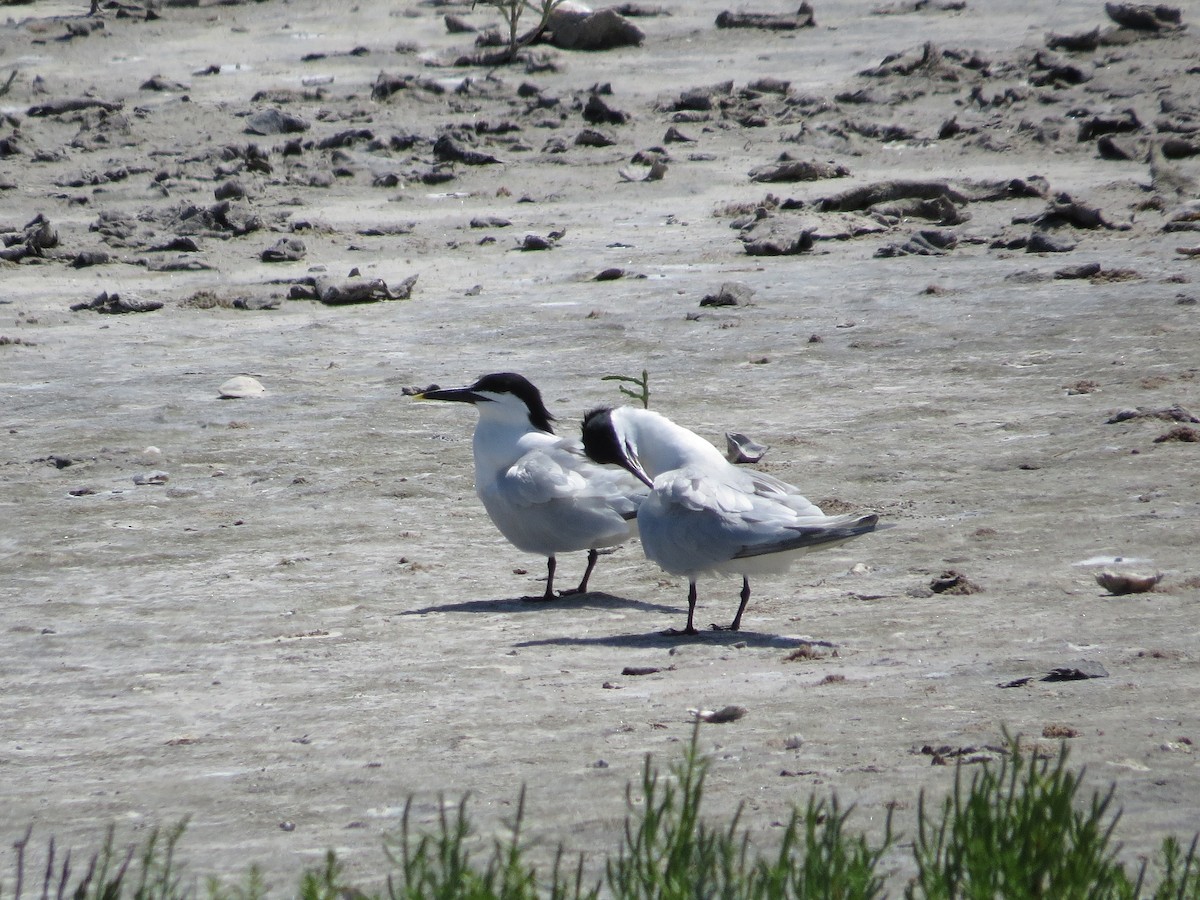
(814, 537)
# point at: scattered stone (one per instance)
(241, 387)
(700, 99)
(590, 137)
(1041, 242)
(864, 197)
(490, 222)
(941, 210)
(275, 121)
(1110, 149)
(288, 249)
(536, 242)
(731, 293)
(38, 236)
(927, 242)
(115, 304)
(721, 716)
(1086, 270)
(1174, 413)
(1084, 42)
(1079, 671)
(802, 18)
(907, 7)
(781, 244)
(1145, 16)
(1051, 72)
(789, 170)
(1120, 583)
(386, 85)
(73, 104)
(161, 83)
(1122, 123)
(151, 478)
(1180, 433)
(86, 258)
(1016, 682)
(1063, 210)
(953, 582)
(572, 28)
(1179, 148)
(176, 245)
(1060, 731)
(230, 190)
(941, 755)
(598, 112)
(354, 289)
(447, 149)
(641, 670)
(458, 25)
(741, 449)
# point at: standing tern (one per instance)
(540, 490)
(703, 515)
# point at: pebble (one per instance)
(241, 386)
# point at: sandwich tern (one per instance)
(540, 489)
(704, 515)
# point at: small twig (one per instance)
(644, 383)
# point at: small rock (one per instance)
(285, 250)
(536, 242)
(1041, 242)
(1179, 433)
(155, 477)
(1086, 270)
(720, 716)
(86, 258)
(230, 190)
(1120, 583)
(952, 582)
(597, 112)
(240, 387)
(731, 293)
(115, 303)
(1078, 671)
(570, 28)
(275, 121)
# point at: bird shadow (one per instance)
(661, 640)
(590, 600)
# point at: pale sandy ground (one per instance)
(307, 623)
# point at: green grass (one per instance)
(1019, 828)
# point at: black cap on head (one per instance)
(521, 387)
(600, 438)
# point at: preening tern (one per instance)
(704, 515)
(540, 490)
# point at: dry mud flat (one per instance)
(283, 615)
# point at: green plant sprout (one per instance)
(643, 383)
(1020, 828)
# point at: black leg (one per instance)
(551, 565)
(691, 627)
(737, 620)
(587, 573)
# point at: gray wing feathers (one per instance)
(804, 536)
